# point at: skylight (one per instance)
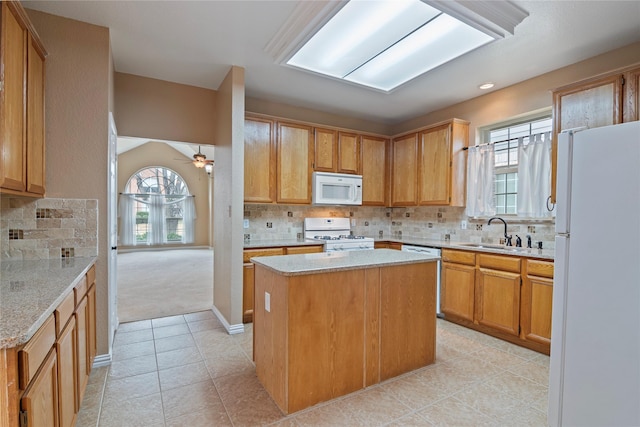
(383, 44)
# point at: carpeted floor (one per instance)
(154, 284)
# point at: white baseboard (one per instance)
(102, 360)
(231, 329)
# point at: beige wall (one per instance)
(522, 98)
(160, 154)
(157, 109)
(77, 120)
(229, 195)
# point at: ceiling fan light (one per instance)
(209, 168)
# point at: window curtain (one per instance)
(157, 221)
(534, 176)
(481, 181)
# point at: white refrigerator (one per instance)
(594, 372)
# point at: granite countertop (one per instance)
(326, 262)
(547, 254)
(31, 290)
(278, 243)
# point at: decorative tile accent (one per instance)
(67, 252)
(16, 234)
(43, 213)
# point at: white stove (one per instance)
(336, 234)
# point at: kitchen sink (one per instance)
(490, 246)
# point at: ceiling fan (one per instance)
(200, 161)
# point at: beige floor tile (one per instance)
(532, 371)
(374, 407)
(208, 417)
(446, 352)
(452, 412)
(98, 375)
(93, 396)
(260, 410)
(524, 417)
(517, 386)
(161, 322)
(213, 338)
(323, 415)
(414, 392)
(486, 400)
(191, 398)
(461, 344)
(132, 387)
(134, 326)
(136, 349)
(229, 364)
(473, 368)
(134, 366)
(123, 338)
(501, 359)
(236, 390)
(88, 417)
(182, 375)
(411, 420)
(200, 315)
(205, 325)
(445, 378)
(145, 411)
(170, 331)
(174, 342)
(179, 357)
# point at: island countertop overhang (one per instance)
(325, 262)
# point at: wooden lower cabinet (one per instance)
(505, 296)
(82, 320)
(67, 355)
(248, 270)
(39, 403)
(388, 245)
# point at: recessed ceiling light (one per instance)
(383, 44)
(486, 86)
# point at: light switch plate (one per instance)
(246, 223)
(463, 225)
(267, 301)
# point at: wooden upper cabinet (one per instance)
(404, 173)
(435, 166)
(294, 163)
(374, 170)
(21, 104)
(325, 150)
(348, 153)
(259, 161)
(590, 103)
(631, 106)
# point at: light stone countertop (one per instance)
(547, 254)
(31, 290)
(326, 262)
(278, 243)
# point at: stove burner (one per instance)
(351, 236)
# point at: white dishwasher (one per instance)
(429, 251)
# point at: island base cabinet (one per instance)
(323, 335)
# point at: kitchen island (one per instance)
(328, 324)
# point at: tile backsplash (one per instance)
(267, 222)
(48, 228)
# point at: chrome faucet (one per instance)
(506, 236)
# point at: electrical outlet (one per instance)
(353, 222)
(269, 225)
(245, 223)
(463, 225)
(267, 301)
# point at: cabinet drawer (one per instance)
(459, 257)
(498, 262)
(80, 290)
(304, 249)
(91, 276)
(250, 253)
(540, 268)
(34, 352)
(64, 312)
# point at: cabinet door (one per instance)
(537, 300)
(404, 173)
(348, 153)
(82, 325)
(374, 171)
(259, 161)
(66, 348)
(40, 401)
(498, 300)
(326, 155)
(248, 278)
(13, 62)
(631, 105)
(91, 331)
(435, 166)
(293, 250)
(593, 103)
(35, 119)
(295, 155)
(457, 290)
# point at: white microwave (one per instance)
(336, 189)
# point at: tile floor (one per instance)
(187, 371)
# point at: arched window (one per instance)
(156, 208)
